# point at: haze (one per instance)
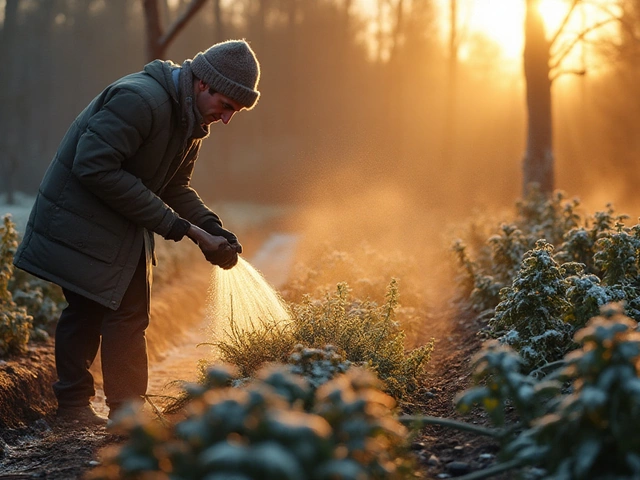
(353, 126)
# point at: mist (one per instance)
(351, 128)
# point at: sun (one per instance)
(502, 21)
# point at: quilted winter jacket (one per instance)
(123, 169)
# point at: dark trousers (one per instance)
(124, 347)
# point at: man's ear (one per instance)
(202, 86)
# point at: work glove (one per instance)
(214, 228)
(215, 248)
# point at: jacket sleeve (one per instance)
(113, 134)
(180, 196)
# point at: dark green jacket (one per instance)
(123, 169)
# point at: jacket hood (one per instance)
(161, 70)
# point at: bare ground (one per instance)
(33, 444)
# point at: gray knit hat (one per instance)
(230, 68)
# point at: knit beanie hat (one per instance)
(230, 68)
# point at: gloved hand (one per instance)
(212, 227)
(215, 248)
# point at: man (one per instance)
(121, 173)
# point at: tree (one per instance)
(541, 68)
(538, 160)
(8, 94)
(452, 84)
(157, 39)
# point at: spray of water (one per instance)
(241, 295)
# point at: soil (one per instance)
(33, 444)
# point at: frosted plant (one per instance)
(531, 316)
(592, 433)
(274, 427)
(15, 323)
(500, 384)
(617, 256)
(550, 217)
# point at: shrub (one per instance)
(15, 323)
(590, 261)
(497, 370)
(531, 316)
(592, 433)
(275, 427)
(259, 343)
(363, 332)
(367, 272)
(581, 421)
(43, 300)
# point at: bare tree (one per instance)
(9, 96)
(541, 68)
(158, 40)
(538, 160)
(452, 84)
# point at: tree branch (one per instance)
(180, 22)
(564, 22)
(562, 55)
(560, 73)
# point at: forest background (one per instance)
(386, 111)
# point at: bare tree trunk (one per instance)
(157, 41)
(538, 162)
(8, 96)
(218, 34)
(452, 86)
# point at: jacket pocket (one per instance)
(83, 235)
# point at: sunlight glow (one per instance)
(553, 12)
(501, 22)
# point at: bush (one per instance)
(579, 423)
(43, 300)
(275, 427)
(363, 332)
(367, 272)
(531, 317)
(592, 433)
(15, 323)
(536, 295)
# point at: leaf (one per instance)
(585, 456)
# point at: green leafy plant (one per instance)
(317, 365)
(15, 323)
(260, 342)
(275, 427)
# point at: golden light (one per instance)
(502, 21)
(553, 13)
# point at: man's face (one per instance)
(214, 106)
